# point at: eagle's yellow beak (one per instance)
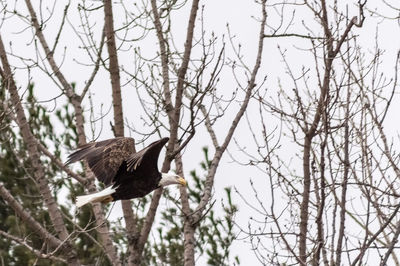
(182, 181)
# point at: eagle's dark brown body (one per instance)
(134, 184)
(115, 162)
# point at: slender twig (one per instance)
(392, 245)
(38, 253)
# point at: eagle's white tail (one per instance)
(104, 195)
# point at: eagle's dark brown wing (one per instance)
(147, 157)
(104, 157)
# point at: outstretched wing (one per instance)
(147, 157)
(104, 157)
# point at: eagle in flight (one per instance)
(127, 174)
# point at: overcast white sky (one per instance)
(217, 14)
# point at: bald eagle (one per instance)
(127, 174)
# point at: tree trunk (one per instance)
(129, 217)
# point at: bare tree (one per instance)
(321, 141)
(177, 92)
(344, 203)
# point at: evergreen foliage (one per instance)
(15, 174)
(214, 234)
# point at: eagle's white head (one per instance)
(170, 179)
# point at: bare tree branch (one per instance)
(38, 253)
(53, 241)
(61, 164)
